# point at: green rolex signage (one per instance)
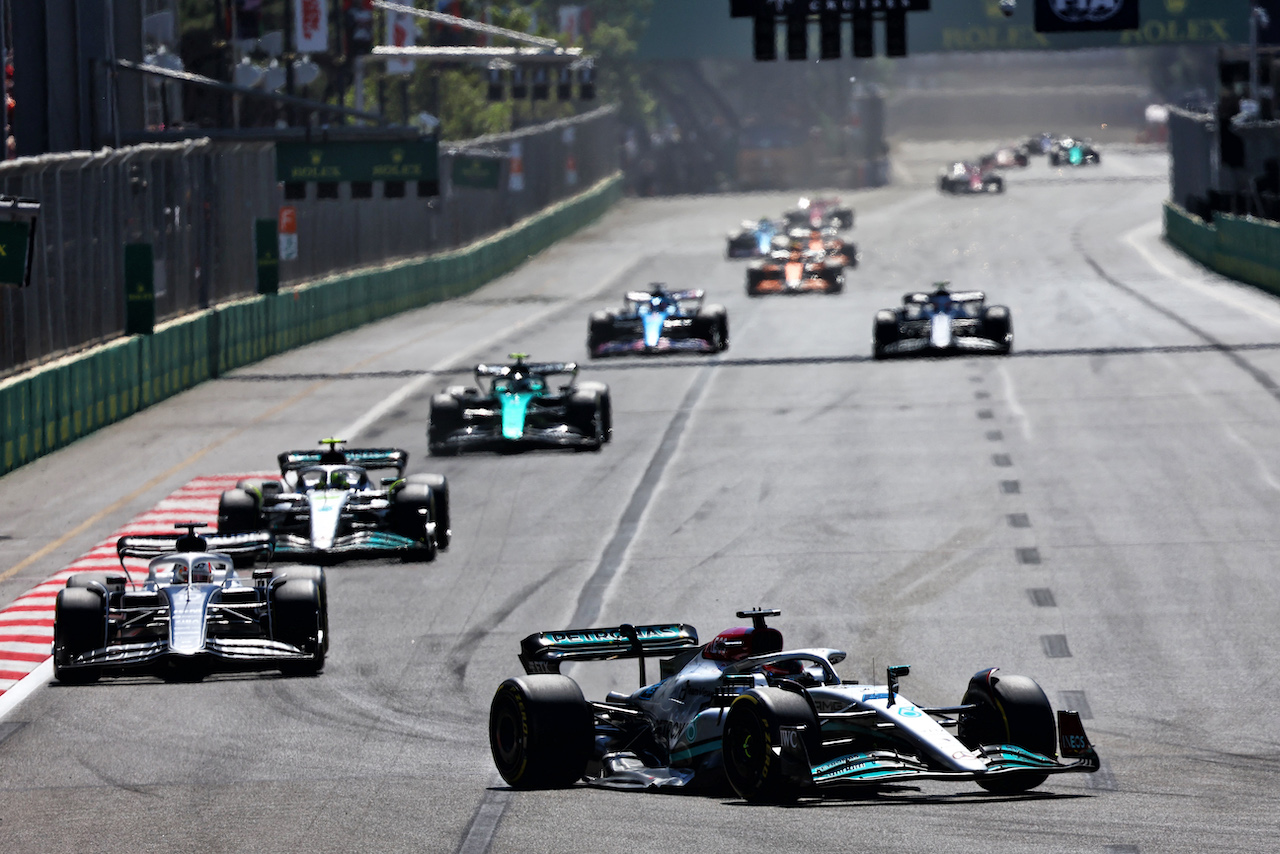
(266, 251)
(139, 289)
(412, 160)
(482, 173)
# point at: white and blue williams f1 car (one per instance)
(940, 323)
(193, 614)
(773, 724)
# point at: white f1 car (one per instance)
(774, 724)
(193, 613)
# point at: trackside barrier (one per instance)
(1244, 248)
(57, 403)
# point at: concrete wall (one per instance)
(50, 407)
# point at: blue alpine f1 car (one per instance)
(754, 239)
(517, 407)
(775, 724)
(659, 321)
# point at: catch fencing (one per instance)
(196, 202)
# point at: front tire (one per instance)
(1010, 710)
(541, 731)
(752, 741)
(439, 486)
(298, 618)
(79, 626)
(239, 512)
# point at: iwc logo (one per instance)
(1091, 11)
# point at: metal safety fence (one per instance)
(196, 203)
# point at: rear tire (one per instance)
(79, 626)
(239, 512)
(541, 731)
(444, 419)
(752, 730)
(599, 330)
(1010, 710)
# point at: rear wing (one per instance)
(366, 458)
(678, 296)
(543, 652)
(150, 546)
(542, 369)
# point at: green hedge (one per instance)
(55, 404)
(1243, 248)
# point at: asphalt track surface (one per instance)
(1096, 511)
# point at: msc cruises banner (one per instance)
(1082, 16)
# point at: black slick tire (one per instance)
(541, 731)
(79, 626)
(1009, 710)
(298, 618)
(239, 512)
(439, 486)
(752, 733)
(445, 417)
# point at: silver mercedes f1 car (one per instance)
(942, 322)
(326, 508)
(193, 614)
(775, 724)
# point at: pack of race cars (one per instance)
(981, 175)
(741, 713)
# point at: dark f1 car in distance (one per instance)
(942, 322)
(1073, 151)
(796, 270)
(775, 724)
(961, 177)
(753, 239)
(659, 321)
(193, 615)
(326, 508)
(519, 409)
(819, 213)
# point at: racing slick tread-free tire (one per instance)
(444, 418)
(239, 512)
(407, 520)
(439, 485)
(314, 574)
(1010, 710)
(541, 731)
(298, 617)
(883, 333)
(599, 330)
(590, 411)
(716, 325)
(997, 325)
(752, 732)
(79, 626)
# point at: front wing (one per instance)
(228, 653)
(361, 544)
(489, 437)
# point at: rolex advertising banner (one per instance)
(1082, 16)
(702, 29)
(311, 25)
(480, 173)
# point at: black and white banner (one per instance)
(1074, 16)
